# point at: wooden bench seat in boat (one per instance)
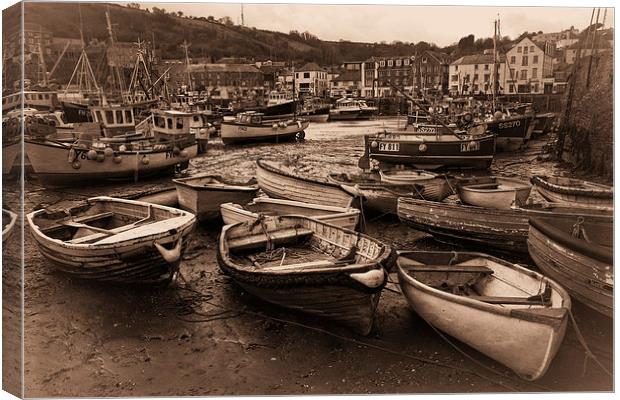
(80, 220)
(474, 269)
(260, 239)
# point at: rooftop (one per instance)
(478, 59)
(348, 76)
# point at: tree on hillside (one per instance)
(466, 43)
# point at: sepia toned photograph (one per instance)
(225, 199)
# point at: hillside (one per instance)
(207, 37)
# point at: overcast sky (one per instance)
(441, 25)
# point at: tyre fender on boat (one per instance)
(371, 279)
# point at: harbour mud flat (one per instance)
(205, 336)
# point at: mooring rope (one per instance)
(583, 343)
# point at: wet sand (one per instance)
(205, 336)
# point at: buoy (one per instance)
(472, 144)
(117, 159)
(122, 147)
(76, 164)
(371, 279)
(176, 151)
(374, 144)
(274, 126)
(108, 152)
(100, 157)
(184, 153)
(498, 115)
(92, 154)
(423, 147)
(170, 256)
(145, 160)
(71, 156)
(439, 110)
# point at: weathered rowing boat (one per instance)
(568, 190)
(58, 164)
(406, 176)
(281, 182)
(513, 315)
(493, 192)
(431, 151)
(578, 253)
(254, 127)
(435, 187)
(340, 216)
(8, 223)
(203, 195)
(114, 240)
(307, 265)
(502, 229)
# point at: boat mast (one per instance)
(117, 73)
(495, 66)
(185, 46)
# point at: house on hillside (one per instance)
(311, 79)
(529, 67)
(599, 45)
(474, 74)
(430, 72)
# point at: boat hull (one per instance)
(233, 133)
(204, 202)
(50, 163)
(343, 116)
(509, 193)
(505, 230)
(282, 185)
(512, 133)
(514, 337)
(427, 153)
(10, 155)
(559, 192)
(132, 261)
(343, 217)
(587, 279)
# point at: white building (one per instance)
(474, 74)
(311, 79)
(529, 68)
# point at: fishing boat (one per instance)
(578, 253)
(344, 109)
(573, 191)
(366, 111)
(8, 223)
(511, 314)
(340, 216)
(251, 126)
(512, 132)
(90, 159)
(203, 195)
(483, 227)
(430, 151)
(114, 240)
(314, 110)
(493, 192)
(282, 182)
(308, 265)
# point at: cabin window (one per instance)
(128, 117)
(109, 116)
(119, 116)
(160, 122)
(256, 119)
(98, 116)
(179, 123)
(169, 123)
(40, 96)
(47, 96)
(196, 118)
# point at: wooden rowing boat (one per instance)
(511, 314)
(8, 223)
(578, 253)
(493, 192)
(281, 182)
(436, 187)
(502, 229)
(308, 265)
(114, 240)
(203, 195)
(431, 151)
(568, 190)
(343, 217)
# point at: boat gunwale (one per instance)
(224, 185)
(9, 227)
(188, 222)
(334, 211)
(602, 192)
(265, 165)
(69, 146)
(520, 313)
(522, 186)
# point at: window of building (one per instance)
(382, 63)
(524, 61)
(455, 78)
(306, 75)
(534, 73)
(487, 77)
(406, 62)
(390, 63)
(456, 67)
(486, 67)
(511, 88)
(398, 63)
(424, 60)
(512, 73)
(535, 88)
(296, 75)
(476, 67)
(513, 59)
(475, 77)
(476, 87)
(523, 74)
(534, 59)
(525, 50)
(519, 49)
(531, 49)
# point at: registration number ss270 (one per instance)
(387, 146)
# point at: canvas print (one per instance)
(208, 199)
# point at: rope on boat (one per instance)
(589, 353)
(449, 185)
